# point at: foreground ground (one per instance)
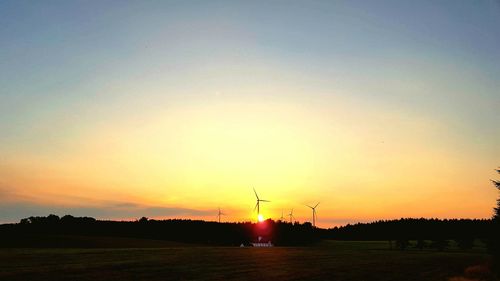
(330, 260)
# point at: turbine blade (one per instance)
(316, 205)
(256, 194)
(255, 208)
(262, 200)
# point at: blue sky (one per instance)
(71, 71)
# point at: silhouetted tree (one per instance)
(496, 210)
(494, 243)
(52, 219)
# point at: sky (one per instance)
(172, 109)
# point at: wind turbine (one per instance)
(291, 215)
(282, 218)
(314, 213)
(220, 214)
(257, 206)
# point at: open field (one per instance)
(330, 260)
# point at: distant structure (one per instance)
(220, 214)
(291, 216)
(261, 243)
(282, 218)
(314, 213)
(257, 206)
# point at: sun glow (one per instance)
(260, 218)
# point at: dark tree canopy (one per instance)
(496, 210)
(494, 243)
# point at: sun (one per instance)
(260, 218)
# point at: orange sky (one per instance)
(205, 156)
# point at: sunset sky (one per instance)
(171, 109)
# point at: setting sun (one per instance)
(260, 218)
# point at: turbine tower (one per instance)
(257, 206)
(220, 214)
(282, 218)
(291, 216)
(314, 213)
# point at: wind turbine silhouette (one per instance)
(257, 206)
(282, 218)
(314, 213)
(219, 214)
(291, 216)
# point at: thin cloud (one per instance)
(13, 212)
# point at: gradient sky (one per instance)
(377, 109)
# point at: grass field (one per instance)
(329, 260)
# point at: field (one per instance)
(329, 260)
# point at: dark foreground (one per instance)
(329, 260)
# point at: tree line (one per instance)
(414, 229)
(463, 231)
(433, 233)
(180, 230)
